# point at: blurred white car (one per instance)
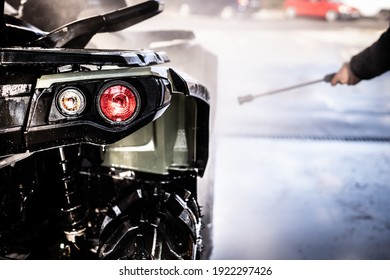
(370, 8)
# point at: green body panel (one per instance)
(167, 143)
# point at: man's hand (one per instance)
(345, 76)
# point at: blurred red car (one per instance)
(330, 10)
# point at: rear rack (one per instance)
(62, 56)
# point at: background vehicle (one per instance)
(330, 10)
(371, 8)
(223, 8)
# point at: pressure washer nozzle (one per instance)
(250, 98)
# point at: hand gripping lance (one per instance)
(250, 98)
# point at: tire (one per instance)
(156, 225)
(384, 15)
(331, 16)
(184, 10)
(227, 12)
(290, 13)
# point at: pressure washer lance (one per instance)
(249, 98)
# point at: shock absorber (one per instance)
(74, 210)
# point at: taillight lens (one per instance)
(71, 101)
(118, 102)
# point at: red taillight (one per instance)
(118, 102)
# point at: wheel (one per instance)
(227, 12)
(154, 224)
(331, 16)
(184, 10)
(290, 13)
(384, 14)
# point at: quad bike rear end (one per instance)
(101, 150)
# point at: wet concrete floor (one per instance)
(302, 199)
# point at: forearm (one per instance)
(374, 60)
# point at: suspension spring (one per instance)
(74, 210)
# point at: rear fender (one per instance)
(178, 140)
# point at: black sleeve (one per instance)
(374, 60)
